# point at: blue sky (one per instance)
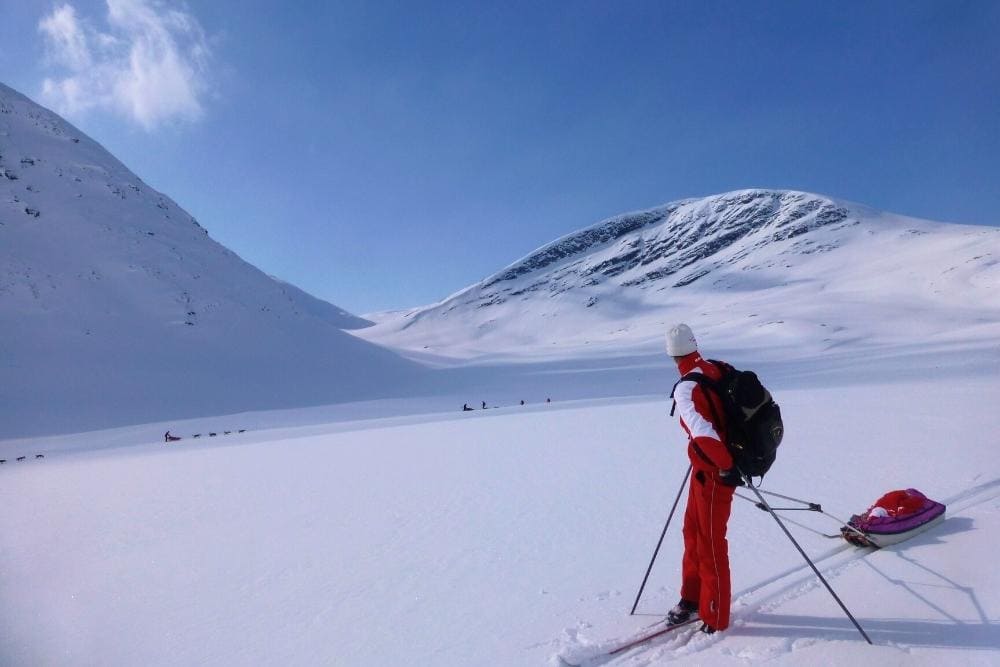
(386, 154)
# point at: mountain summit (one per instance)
(116, 305)
(747, 267)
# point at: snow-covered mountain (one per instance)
(762, 266)
(117, 307)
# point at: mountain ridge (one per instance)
(694, 254)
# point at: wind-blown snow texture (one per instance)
(116, 307)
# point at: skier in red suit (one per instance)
(705, 586)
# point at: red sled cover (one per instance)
(895, 517)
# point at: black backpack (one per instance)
(753, 420)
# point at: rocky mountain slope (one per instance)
(746, 266)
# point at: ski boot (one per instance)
(683, 611)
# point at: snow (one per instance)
(509, 536)
(112, 274)
(775, 267)
(384, 526)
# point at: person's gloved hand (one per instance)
(731, 477)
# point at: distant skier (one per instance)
(705, 585)
(484, 405)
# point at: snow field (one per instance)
(506, 537)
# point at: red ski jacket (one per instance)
(705, 428)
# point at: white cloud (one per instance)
(149, 65)
(66, 39)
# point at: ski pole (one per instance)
(657, 550)
(814, 569)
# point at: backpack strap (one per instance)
(704, 381)
(674, 406)
(701, 378)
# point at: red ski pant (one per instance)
(705, 568)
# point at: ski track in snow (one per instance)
(762, 603)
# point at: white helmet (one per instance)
(680, 341)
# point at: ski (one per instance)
(652, 635)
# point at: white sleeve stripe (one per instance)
(698, 426)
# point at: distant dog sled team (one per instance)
(466, 408)
(169, 437)
(23, 458)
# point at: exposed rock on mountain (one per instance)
(746, 266)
